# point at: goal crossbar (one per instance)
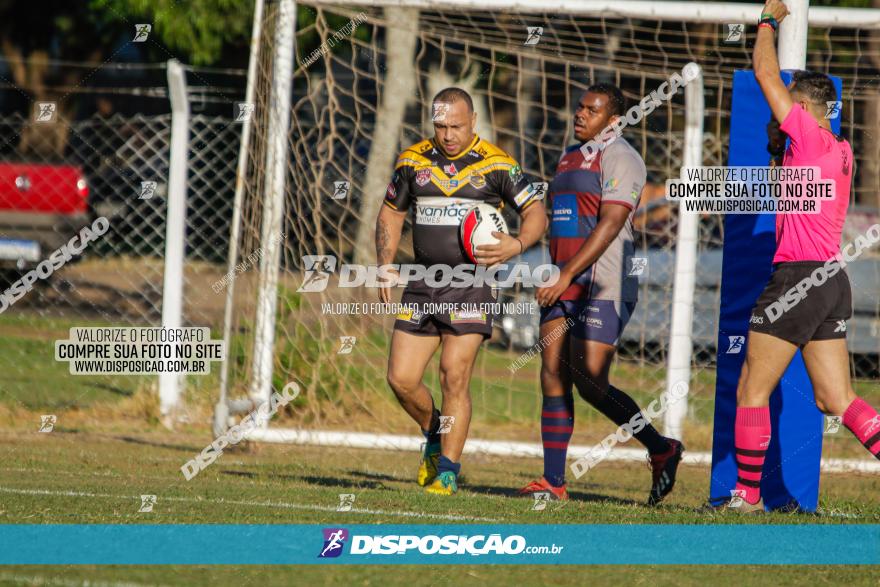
(707, 12)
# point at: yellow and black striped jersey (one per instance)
(441, 189)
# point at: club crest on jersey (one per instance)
(423, 176)
(515, 173)
(478, 180)
(450, 169)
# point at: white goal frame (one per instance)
(792, 55)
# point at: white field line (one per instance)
(503, 448)
(34, 580)
(277, 504)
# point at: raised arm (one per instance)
(766, 64)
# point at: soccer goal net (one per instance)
(314, 174)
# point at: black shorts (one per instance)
(455, 310)
(800, 305)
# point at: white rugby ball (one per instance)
(477, 227)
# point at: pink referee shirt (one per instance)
(814, 237)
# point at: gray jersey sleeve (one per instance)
(623, 174)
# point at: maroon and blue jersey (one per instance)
(579, 190)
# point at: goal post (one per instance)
(273, 204)
(222, 407)
(362, 79)
(684, 281)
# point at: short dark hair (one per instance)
(815, 86)
(616, 101)
(452, 94)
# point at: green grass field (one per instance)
(107, 449)
(286, 484)
(84, 477)
(380, 575)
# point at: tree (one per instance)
(33, 39)
(196, 31)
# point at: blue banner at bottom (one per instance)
(208, 544)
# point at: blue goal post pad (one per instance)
(791, 469)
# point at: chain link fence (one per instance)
(122, 153)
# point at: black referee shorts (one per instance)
(800, 304)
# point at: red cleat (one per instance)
(543, 486)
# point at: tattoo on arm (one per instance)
(383, 239)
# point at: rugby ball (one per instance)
(477, 227)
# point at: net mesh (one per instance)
(345, 84)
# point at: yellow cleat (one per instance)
(428, 466)
(444, 484)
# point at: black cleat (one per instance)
(663, 469)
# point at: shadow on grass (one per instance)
(573, 495)
(338, 482)
(177, 447)
(379, 477)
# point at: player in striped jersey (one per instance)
(592, 200)
(440, 179)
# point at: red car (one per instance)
(41, 207)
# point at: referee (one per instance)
(805, 244)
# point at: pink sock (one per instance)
(863, 421)
(752, 437)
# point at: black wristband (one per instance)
(778, 153)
